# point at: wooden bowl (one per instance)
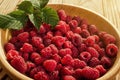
(92, 17)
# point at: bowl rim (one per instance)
(17, 74)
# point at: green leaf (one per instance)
(36, 19)
(50, 16)
(39, 4)
(26, 6)
(7, 21)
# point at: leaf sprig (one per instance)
(34, 10)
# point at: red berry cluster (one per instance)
(73, 50)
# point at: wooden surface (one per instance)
(108, 8)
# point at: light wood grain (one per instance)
(108, 8)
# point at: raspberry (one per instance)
(46, 52)
(42, 30)
(41, 76)
(73, 24)
(25, 56)
(93, 52)
(27, 48)
(79, 64)
(9, 46)
(30, 66)
(58, 33)
(67, 70)
(85, 33)
(18, 45)
(33, 33)
(68, 19)
(13, 40)
(65, 51)
(36, 41)
(16, 32)
(77, 18)
(66, 60)
(68, 44)
(11, 54)
(101, 69)
(54, 75)
(62, 15)
(84, 27)
(40, 47)
(90, 73)
(50, 65)
(19, 64)
(35, 70)
(23, 37)
(34, 55)
(47, 42)
(76, 39)
(82, 47)
(74, 52)
(92, 29)
(77, 30)
(58, 40)
(54, 49)
(84, 21)
(56, 57)
(78, 73)
(101, 52)
(107, 38)
(69, 34)
(68, 77)
(94, 62)
(59, 67)
(47, 27)
(111, 50)
(85, 56)
(106, 62)
(90, 41)
(38, 60)
(97, 39)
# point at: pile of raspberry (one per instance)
(73, 50)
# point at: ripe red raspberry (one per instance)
(34, 55)
(84, 26)
(19, 64)
(73, 24)
(111, 50)
(30, 66)
(85, 33)
(84, 21)
(90, 73)
(27, 48)
(47, 42)
(23, 37)
(85, 56)
(58, 33)
(13, 40)
(68, 77)
(101, 69)
(97, 39)
(41, 76)
(50, 65)
(101, 52)
(67, 70)
(33, 33)
(75, 52)
(58, 40)
(36, 41)
(11, 54)
(16, 32)
(78, 73)
(56, 57)
(65, 51)
(42, 30)
(54, 75)
(94, 62)
(79, 64)
(68, 44)
(47, 27)
(77, 18)
(69, 35)
(76, 39)
(90, 41)
(107, 38)
(92, 29)
(62, 15)
(77, 30)
(25, 56)
(93, 52)
(39, 60)
(40, 47)
(46, 52)
(82, 47)
(59, 67)
(9, 46)
(54, 49)
(106, 62)
(68, 19)
(35, 70)
(66, 60)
